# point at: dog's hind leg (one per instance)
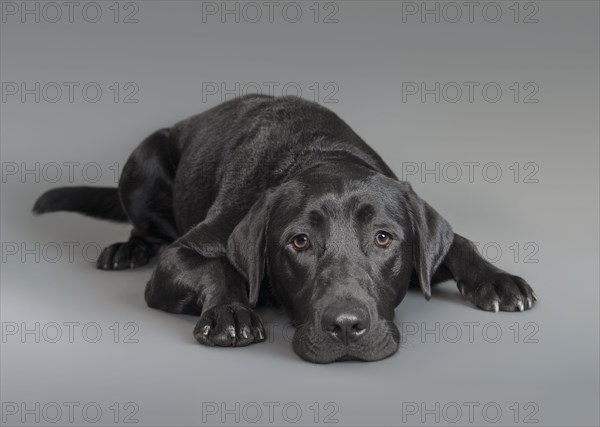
(146, 195)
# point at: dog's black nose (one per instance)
(345, 325)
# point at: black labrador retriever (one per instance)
(264, 198)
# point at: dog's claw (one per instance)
(231, 331)
(535, 298)
(495, 291)
(228, 325)
(261, 335)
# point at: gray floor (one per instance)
(457, 365)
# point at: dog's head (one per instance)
(339, 254)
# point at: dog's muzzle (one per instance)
(347, 329)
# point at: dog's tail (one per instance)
(97, 202)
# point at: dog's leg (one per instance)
(145, 191)
(487, 286)
(186, 281)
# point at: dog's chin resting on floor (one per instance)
(280, 193)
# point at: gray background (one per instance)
(550, 369)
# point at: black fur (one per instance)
(97, 202)
(230, 192)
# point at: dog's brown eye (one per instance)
(383, 239)
(301, 242)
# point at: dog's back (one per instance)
(256, 141)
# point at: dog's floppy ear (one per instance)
(246, 247)
(432, 239)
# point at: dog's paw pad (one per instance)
(229, 325)
(499, 292)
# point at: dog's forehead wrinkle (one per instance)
(316, 217)
(333, 209)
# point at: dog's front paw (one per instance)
(499, 291)
(229, 325)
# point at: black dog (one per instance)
(279, 195)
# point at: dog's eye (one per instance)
(301, 242)
(383, 239)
